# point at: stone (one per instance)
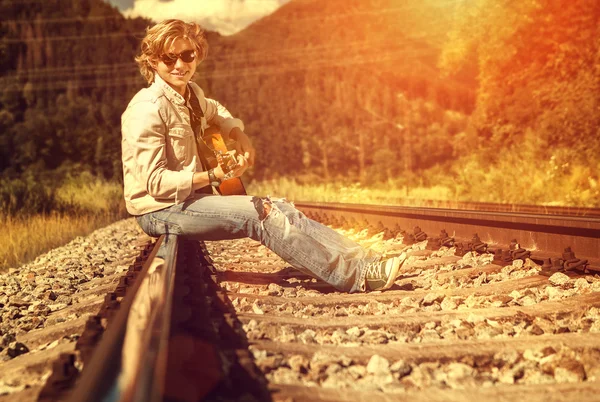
(57, 306)
(420, 377)
(475, 318)
(40, 290)
(564, 374)
(256, 308)
(429, 335)
(308, 336)
(464, 332)
(49, 295)
(284, 375)
(558, 279)
(480, 280)
(526, 301)
(19, 302)
(534, 376)
(354, 332)
(590, 358)
(485, 331)
(7, 339)
(270, 363)
(448, 304)
(581, 284)
(378, 365)
(339, 336)
(553, 293)
(401, 368)
(430, 325)
(274, 290)
(8, 389)
(16, 349)
(357, 371)
(298, 363)
(321, 361)
(333, 369)
(64, 299)
(493, 324)
(472, 301)
(508, 357)
(431, 298)
(458, 374)
(375, 336)
(565, 368)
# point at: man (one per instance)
(168, 187)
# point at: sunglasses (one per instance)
(187, 56)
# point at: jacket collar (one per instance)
(169, 92)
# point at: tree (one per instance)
(538, 68)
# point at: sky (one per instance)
(225, 16)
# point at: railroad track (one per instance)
(513, 312)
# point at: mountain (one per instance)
(66, 75)
(325, 88)
(326, 77)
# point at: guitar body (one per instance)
(216, 143)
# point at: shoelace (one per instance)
(373, 270)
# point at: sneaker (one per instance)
(382, 275)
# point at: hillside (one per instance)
(316, 76)
(402, 92)
(65, 78)
(330, 77)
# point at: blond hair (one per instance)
(160, 38)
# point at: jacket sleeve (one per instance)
(217, 114)
(144, 133)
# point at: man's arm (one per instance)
(144, 136)
(243, 145)
(217, 114)
(201, 179)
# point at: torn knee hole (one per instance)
(264, 207)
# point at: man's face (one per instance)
(173, 67)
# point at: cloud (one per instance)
(121, 4)
(224, 16)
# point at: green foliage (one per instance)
(64, 85)
(87, 193)
(337, 93)
(25, 195)
(371, 95)
(515, 180)
(67, 190)
(538, 69)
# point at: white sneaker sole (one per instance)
(397, 263)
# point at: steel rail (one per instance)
(129, 362)
(540, 232)
(498, 207)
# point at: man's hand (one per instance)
(243, 145)
(237, 171)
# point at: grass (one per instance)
(531, 172)
(353, 193)
(26, 237)
(525, 177)
(89, 194)
(85, 204)
(513, 181)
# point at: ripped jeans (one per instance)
(306, 245)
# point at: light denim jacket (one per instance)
(158, 145)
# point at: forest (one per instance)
(494, 100)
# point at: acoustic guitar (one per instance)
(217, 152)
